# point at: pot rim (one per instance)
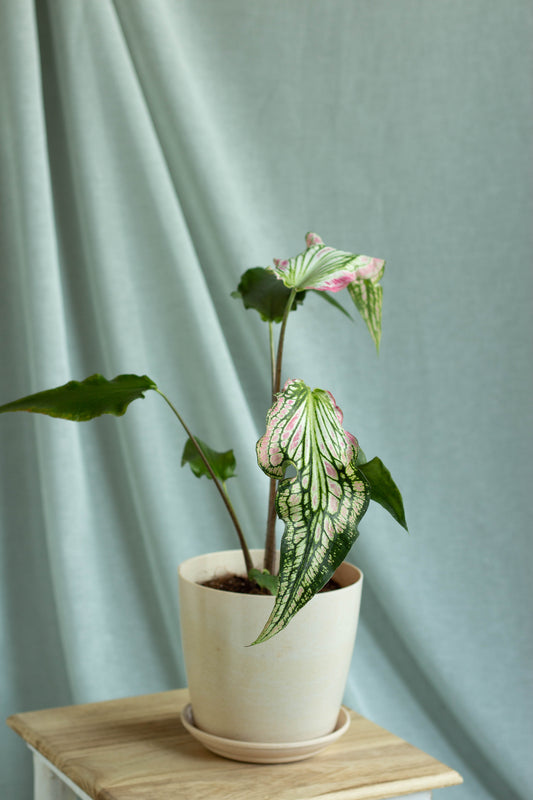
(346, 567)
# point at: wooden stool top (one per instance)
(137, 747)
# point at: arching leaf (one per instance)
(322, 505)
(83, 400)
(368, 298)
(222, 464)
(325, 269)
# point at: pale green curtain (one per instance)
(151, 151)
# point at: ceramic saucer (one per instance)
(269, 752)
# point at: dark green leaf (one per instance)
(383, 489)
(260, 289)
(265, 580)
(222, 464)
(331, 300)
(361, 458)
(81, 401)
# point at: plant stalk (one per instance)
(281, 340)
(221, 490)
(272, 357)
(270, 538)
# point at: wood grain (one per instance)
(137, 748)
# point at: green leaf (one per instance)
(222, 464)
(82, 401)
(368, 298)
(321, 505)
(361, 458)
(383, 489)
(331, 300)
(260, 289)
(265, 580)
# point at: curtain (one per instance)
(151, 151)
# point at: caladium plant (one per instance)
(324, 501)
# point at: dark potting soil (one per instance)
(243, 585)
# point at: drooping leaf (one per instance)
(259, 289)
(222, 464)
(325, 269)
(368, 298)
(322, 505)
(265, 580)
(383, 489)
(331, 300)
(83, 400)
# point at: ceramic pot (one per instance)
(287, 689)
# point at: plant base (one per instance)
(268, 752)
(288, 689)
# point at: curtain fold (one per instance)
(150, 152)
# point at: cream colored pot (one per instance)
(288, 689)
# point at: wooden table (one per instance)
(137, 748)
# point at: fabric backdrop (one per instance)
(151, 151)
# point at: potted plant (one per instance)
(253, 667)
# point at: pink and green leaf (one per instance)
(324, 268)
(368, 299)
(322, 505)
(259, 289)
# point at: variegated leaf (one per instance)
(325, 269)
(259, 289)
(322, 505)
(368, 298)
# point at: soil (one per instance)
(243, 585)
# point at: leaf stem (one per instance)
(272, 356)
(221, 489)
(270, 537)
(281, 340)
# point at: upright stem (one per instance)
(270, 538)
(221, 489)
(277, 378)
(272, 357)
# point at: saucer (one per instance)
(268, 752)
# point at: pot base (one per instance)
(268, 752)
